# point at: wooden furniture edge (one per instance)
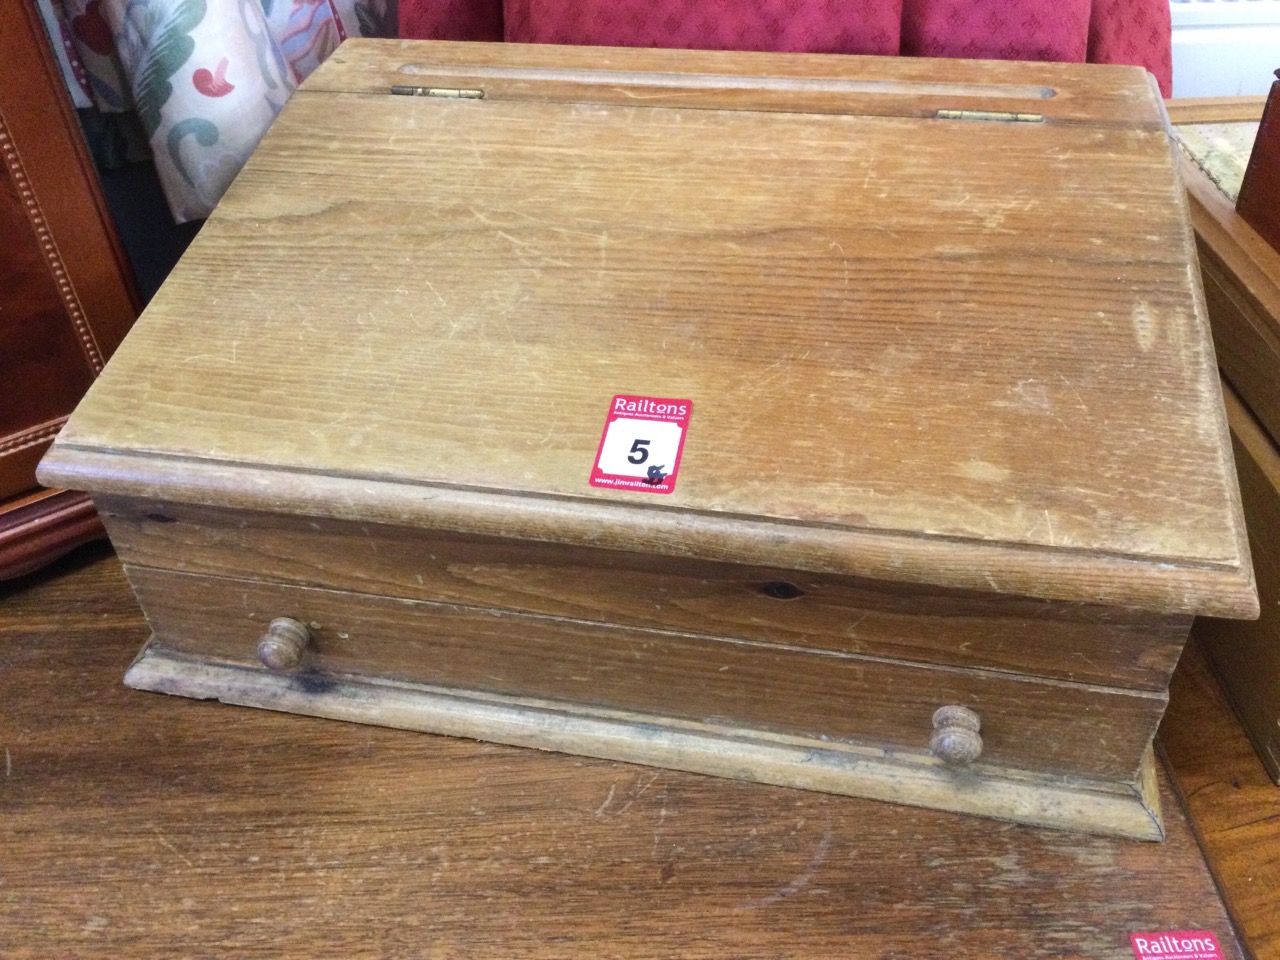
(1215, 109)
(1191, 248)
(891, 86)
(1229, 798)
(1247, 270)
(1245, 427)
(1156, 584)
(1249, 434)
(1104, 808)
(1253, 261)
(43, 527)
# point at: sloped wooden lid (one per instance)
(935, 347)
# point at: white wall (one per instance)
(1224, 48)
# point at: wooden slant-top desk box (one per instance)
(915, 351)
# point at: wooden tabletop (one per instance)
(134, 825)
(1234, 804)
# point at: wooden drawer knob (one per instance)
(955, 739)
(280, 648)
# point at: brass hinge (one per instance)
(447, 93)
(999, 116)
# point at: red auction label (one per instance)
(641, 444)
(1176, 945)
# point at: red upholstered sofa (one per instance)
(1096, 31)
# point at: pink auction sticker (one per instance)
(1176, 945)
(641, 444)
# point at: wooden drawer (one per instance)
(1056, 728)
(1084, 643)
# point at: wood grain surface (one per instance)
(135, 825)
(868, 86)
(43, 525)
(1084, 643)
(994, 568)
(1233, 802)
(1215, 109)
(1246, 654)
(1031, 725)
(881, 330)
(1242, 289)
(1129, 809)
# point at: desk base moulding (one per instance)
(772, 675)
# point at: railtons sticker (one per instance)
(1176, 945)
(641, 444)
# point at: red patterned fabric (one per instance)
(1101, 31)
(451, 19)
(1135, 32)
(996, 29)
(815, 26)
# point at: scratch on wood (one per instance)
(635, 795)
(1144, 326)
(801, 879)
(164, 841)
(1269, 818)
(8, 763)
(607, 800)
(638, 794)
(431, 287)
(662, 818)
(233, 359)
(1034, 395)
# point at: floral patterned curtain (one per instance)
(204, 77)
